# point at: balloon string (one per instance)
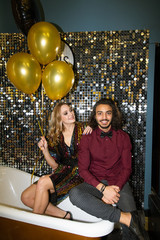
(42, 93)
(36, 166)
(41, 129)
(42, 163)
(34, 170)
(37, 158)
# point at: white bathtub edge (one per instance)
(96, 229)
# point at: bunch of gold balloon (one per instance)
(26, 71)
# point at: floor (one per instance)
(115, 235)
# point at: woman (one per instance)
(60, 153)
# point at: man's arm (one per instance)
(126, 160)
(84, 161)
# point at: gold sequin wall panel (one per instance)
(107, 64)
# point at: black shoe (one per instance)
(136, 226)
(68, 213)
(127, 233)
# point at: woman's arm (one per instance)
(87, 130)
(43, 145)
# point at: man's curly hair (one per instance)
(116, 119)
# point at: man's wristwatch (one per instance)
(102, 188)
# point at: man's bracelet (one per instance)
(102, 188)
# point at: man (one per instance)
(105, 165)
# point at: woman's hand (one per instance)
(87, 130)
(43, 145)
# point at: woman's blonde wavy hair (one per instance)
(55, 124)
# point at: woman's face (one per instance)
(67, 114)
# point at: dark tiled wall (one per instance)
(107, 64)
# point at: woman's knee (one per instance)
(23, 196)
(44, 183)
(28, 193)
(26, 197)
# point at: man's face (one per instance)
(104, 116)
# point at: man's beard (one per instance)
(105, 127)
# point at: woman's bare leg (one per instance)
(37, 198)
(41, 195)
(28, 196)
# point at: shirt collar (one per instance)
(98, 131)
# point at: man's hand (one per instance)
(111, 194)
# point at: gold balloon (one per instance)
(44, 42)
(57, 79)
(24, 72)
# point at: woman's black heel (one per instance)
(67, 214)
